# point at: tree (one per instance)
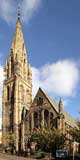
(48, 139)
(75, 133)
(9, 139)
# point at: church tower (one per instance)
(17, 86)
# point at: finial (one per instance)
(18, 12)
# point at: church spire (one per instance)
(18, 44)
(18, 52)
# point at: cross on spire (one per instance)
(19, 12)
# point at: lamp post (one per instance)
(73, 150)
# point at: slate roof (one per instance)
(68, 118)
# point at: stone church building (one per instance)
(19, 114)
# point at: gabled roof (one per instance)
(68, 118)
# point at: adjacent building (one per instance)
(45, 112)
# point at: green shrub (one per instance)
(78, 155)
(39, 154)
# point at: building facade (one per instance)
(20, 115)
(45, 112)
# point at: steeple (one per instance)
(17, 62)
(18, 45)
(17, 86)
(18, 51)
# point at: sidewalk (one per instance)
(12, 157)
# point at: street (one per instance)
(12, 157)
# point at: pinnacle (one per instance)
(60, 101)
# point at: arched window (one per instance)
(51, 118)
(35, 120)
(46, 117)
(12, 93)
(12, 66)
(40, 101)
(24, 113)
(8, 93)
(7, 70)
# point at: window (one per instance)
(46, 117)
(7, 70)
(8, 93)
(24, 113)
(51, 118)
(39, 101)
(36, 120)
(12, 65)
(12, 93)
(24, 60)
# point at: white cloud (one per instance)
(28, 8)
(60, 78)
(8, 9)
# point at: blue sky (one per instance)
(52, 36)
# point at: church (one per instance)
(21, 115)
